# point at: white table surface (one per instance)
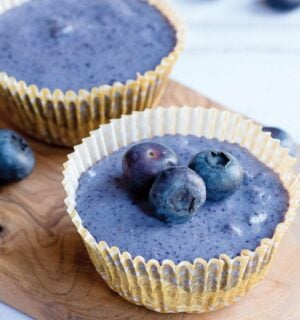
(243, 55)
(246, 56)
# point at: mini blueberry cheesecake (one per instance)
(181, 209)
(67, 66)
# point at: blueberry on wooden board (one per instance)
(16, 157)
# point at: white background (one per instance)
(246, 56)
(243, 55)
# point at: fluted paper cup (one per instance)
(198, 286)
(64, 118)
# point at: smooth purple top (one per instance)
(111, 213)
(80, 44)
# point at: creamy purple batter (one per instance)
(80, 44)
(111, 213)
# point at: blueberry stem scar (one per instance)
(218, 158)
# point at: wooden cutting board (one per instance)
(46, 272)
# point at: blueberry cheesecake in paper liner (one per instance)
(211, 259)
(68, 66)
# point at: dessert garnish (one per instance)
(176, 195)
(176, 192)
(143, 162)
(221, 172)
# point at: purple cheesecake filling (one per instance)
(81, 44)
(113, 214)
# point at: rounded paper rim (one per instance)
(8, 81)
(265, 243)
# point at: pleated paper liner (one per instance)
(65, 118)
(200, 286)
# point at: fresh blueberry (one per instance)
(176, 195)
(283, 4)
(16, 157)
(221, 172)
(286, 140)
(143, 162)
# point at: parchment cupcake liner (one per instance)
(200, 286)
(65, 118)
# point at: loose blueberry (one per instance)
(143, 162)
(176, 195)
(286, 140)
(284, 4)
(221, 172)
(16, 157)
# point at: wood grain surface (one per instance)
(46, 272)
